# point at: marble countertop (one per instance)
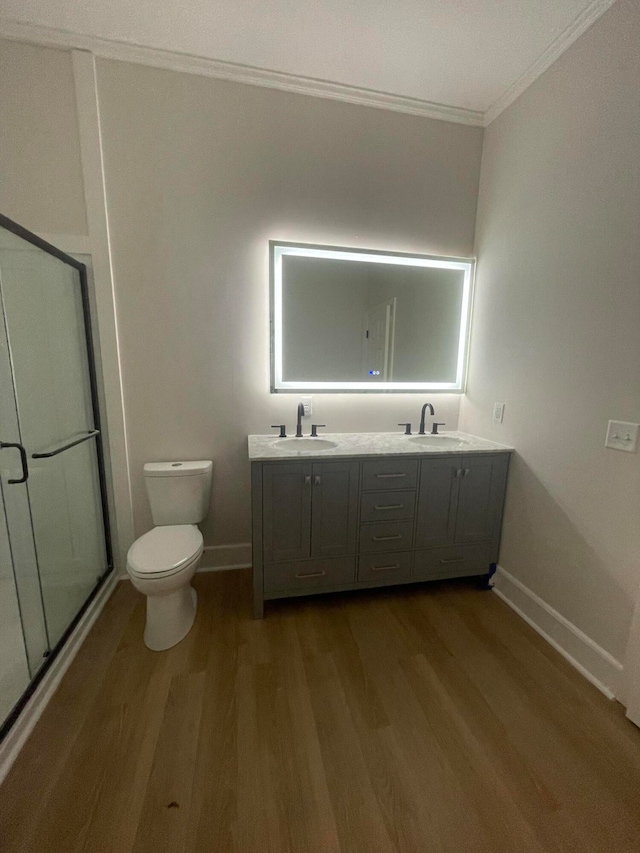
(369, 444)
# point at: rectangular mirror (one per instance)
(361, 320)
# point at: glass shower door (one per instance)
(51, 468)
(14, 666)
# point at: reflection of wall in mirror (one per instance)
(411, 315)
(427, 320)
(323, 306)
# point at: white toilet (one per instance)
(162, 562)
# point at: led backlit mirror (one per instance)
(353, 320)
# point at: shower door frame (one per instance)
(27, 235)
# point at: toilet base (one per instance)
(169, 618)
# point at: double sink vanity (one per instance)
(353, 511)
(337, 512)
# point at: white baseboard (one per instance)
(22, 728)
(592, 661)
(219, 558)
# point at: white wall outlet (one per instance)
(307, 402)
(622, 436)
(498, 413)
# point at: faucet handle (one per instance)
(282, 428)
(434, 428)
(314, 429)
(407, 428)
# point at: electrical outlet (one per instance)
(498, 413)
(307, 402)
(622, 436)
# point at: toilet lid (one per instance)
(165, 550)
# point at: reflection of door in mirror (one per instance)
(378, 344)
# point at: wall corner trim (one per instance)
(591, 660)
(562, 42)
(90, 133)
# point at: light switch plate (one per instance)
(307, 402)
(498, 413)
(622, 436)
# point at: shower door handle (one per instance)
(23, 459)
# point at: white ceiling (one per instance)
(461, 53)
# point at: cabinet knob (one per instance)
(316, 479)
(307, 480)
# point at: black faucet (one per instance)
(424, 408)
(299, 424)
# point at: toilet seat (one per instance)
(165, 551)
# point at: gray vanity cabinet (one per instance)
(287, 511)
(325, 526)
(437, 501)
(481, 488)
(460, 499)
(309, 509)
(334, 508)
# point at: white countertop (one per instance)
(365, 444)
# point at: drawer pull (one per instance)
(310, 575)
(454, 560)
(390, 506)
(385, 568)
(386, 538)
(389, 476)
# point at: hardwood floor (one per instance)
(419, 719)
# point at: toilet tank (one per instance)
(178, 492)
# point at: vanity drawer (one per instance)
(302, 574)
(386, 536)
(387, 506)
(393, 473)
(453, 561)
(385, 568)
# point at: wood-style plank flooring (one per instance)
(426, 718)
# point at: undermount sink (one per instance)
(305, 444)
(438, 440)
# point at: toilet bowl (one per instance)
(162, 562)
(161, 565)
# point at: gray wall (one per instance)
(41, 183)
(557, 325)
(200, 175)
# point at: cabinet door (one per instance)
(437, 501)
(286, 495)
(480, 498)
(334, 509)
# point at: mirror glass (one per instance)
(353, 320)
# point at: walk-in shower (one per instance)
(55, 548)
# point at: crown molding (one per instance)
(557, 47)
(205, 67)
(189, 64)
